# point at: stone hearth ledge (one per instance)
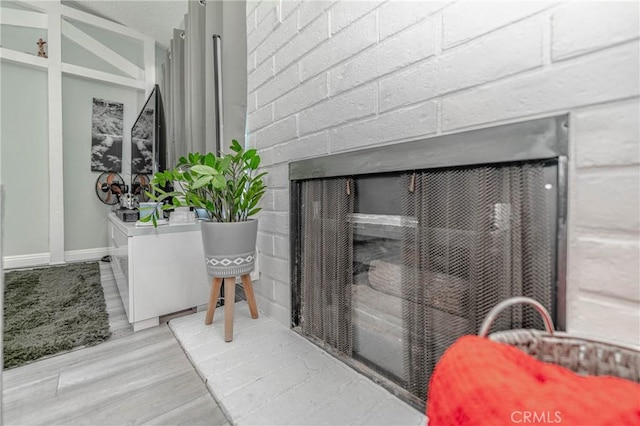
(269, 375)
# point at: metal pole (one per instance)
(217, 91)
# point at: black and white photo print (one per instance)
(106, 136)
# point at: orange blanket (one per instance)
(480, 382)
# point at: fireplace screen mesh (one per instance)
(482, 237)
(327, 254)
(393, 289)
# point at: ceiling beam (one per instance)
(87, 18)
(95, 47)
(23, 18)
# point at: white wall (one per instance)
(85, 225)
(85, 216)
(85, 228)
(25, 144)
(326, 77)
(25, 159)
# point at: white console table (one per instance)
(158, 270)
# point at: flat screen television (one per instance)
(148, 137)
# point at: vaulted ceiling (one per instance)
(155, 19)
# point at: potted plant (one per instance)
(228, 188)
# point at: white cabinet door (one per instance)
(119, 252)
(169, 273)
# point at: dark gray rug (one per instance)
(52, 309)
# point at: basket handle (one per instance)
(488, 321)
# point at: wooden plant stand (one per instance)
(230, 295)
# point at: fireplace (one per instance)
(399, 250)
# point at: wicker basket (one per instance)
(582, 356)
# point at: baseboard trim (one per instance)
(44, 259)
(84, 255)
(25, 260)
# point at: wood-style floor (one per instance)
(118, 322)
(141, 378)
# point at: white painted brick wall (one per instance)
(281, 201)
(608, 199)
(252, 62)
(311, 11)
(275, 179)
(602, 77)
(267, 200)
(402, 50)
(265, 9)
(344, 75)
(281, 131)
(303, 96)
(280, 36)
(289, 6)
(281, 245)
(611, 319)
(520, 49)
(345, 13)
(394, 17)
(465, 21)
(276, 268)
(601, 24)
(305, 147)
(261, 32)
(356, 104)
(274, 310)
(398, 125)
(615, 275)
(283, 82)
(265, 289)
(251, 7)
(275, 222)
(265, 244)
(252, 22)
(260, 75)
(305, 41)
(252, 103)
(347, 43)
(260, 118)
(282, 294)
(608, 135)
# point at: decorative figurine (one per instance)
(41, 51)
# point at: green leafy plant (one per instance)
(227, 187)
